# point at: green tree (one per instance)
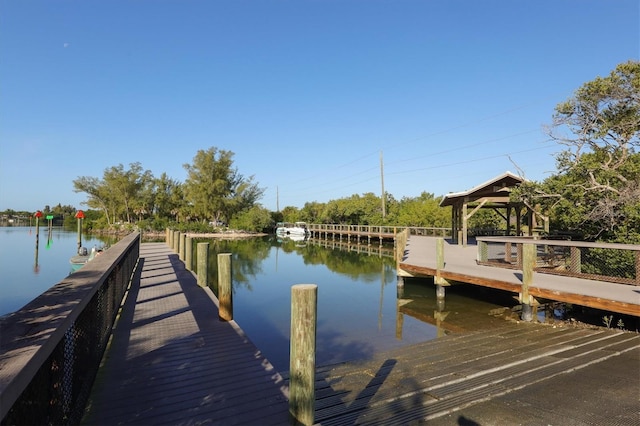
(98, 195)
(311, 212)
(291, 214)
(423, 211)
(597, 187)
(214, 189)
(127, 187)
(167, 197)
(256, 219)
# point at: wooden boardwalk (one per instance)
(460, 265)
(171, 361)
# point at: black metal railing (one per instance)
(51, 349)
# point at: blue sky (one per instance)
(307, 94)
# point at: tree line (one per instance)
(594, 193)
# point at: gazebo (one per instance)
(492, 194)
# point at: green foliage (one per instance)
(119, 194)
(256, 219)
(214, 189)
(597, 188)
(424, 211)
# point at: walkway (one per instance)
(460, 265)
(171, 361)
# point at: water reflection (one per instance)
(360, 308)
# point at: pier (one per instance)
(471, 264)
(170, 360)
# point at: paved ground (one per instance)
(525, 374)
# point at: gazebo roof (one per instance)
(495, 190)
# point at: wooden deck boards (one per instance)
(460, 265)
(171, 361)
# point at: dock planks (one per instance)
(171, 361)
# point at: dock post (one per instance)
(181, 249)
(225, 287)
(176, 241)
(203, 264)
(169, 238)
(528, 263)
(575, 262)
(188, 253)
(439, 281)
(302, 366)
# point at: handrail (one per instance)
(611, 262)
(50, 350)
(375, 230)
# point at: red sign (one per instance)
(80, 214)
(38, 214)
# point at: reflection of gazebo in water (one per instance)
(493, 194)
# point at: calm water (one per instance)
(360, 310)
(21, 278)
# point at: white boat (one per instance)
(298, 229)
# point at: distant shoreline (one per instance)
(231, 234)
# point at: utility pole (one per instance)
(384, 212)
(277, 199)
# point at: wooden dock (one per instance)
(171, 361)
(460, 265)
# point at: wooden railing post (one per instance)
(528, 264)
(575, 261)
(181, 248)
(203, 264)
(225, 287)
(176, 241)
(188, 253)
(302, 366)
(483, 251)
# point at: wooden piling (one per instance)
(188, 253)
(303, 353)
(176, 241)
(181, 249)
(203, 264)
(528, 263)
(225, 287)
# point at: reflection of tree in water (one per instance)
(357, 266)
(247, 256)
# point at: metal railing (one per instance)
(610, 262)
(51, 349)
